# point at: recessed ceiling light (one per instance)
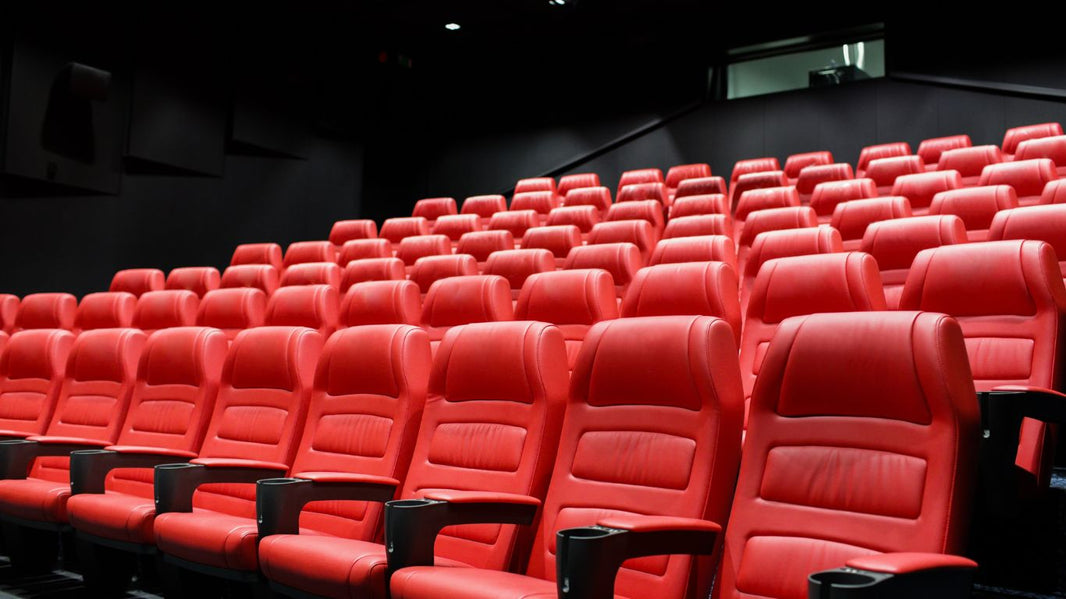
(452, 26)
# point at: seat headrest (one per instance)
(669, 361)
(197, 279)
(1046, 223)
(344, 231)
(765, 198)
(1053, 148)
(812, 175)
(760, 180)
(9, 310)
(1016, 135)
(600, 197)
(841, 282)
(312, 273)
(976, 206)
(584, 296)
(138, 280)
(706, 288)
(257, 253)
(1015, 277)
(636, 192)
(622, 260)
(851, 218)
(413, 248)
(534, 184)
(795, 163)
(455, 225)
(647, 210)
(540, 202)
(515, 221)
(184, 356)
(557, 239)
(827, 365)
(357, 249)
(638, 232)
(273, 357)
(969, 162)
(105, 310)
(827, 195)
(516, 265)
(381, 302)
(461, 300)
(1027, 177)
(786, 243)
(931, 149)
(258, 276)
(433, 268)
(372, 269)
(895, 243)
(481, 244)
(487, 205)
(396, 228)
(884, 171)
(870, 153)
(777, 219)
(693, 205)
(434, 208)
(47, 311)
(106, 355)
(1054, 192)
(518, 361)
(312, 306)
(300, 252)
(921, 188)
(583, 217)
(640, 175)
(374, 359)
(753, 165)
(164, 309)
(700, 248)
(232, 309)
(678, 173)
(568, 183)
(698, 225)
(701, 186)
(37, 354)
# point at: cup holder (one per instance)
(585, 532)
(409, 503)
(847, 579)
(277, 482)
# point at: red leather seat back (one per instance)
(413, 248)
(177, 382)
(931, 149)
(1053, 148)
(765, 198)
(798, 285)
(572, 300)
(640, 176)
(1027, 177)
(826, 196)
(776, 219)
(312, 306)
(138, 280)
(261, 407)
(381, 302)
(1046, 223)
(652, 427)
(701, 186)
(885, 171)
(344, 231)
(358, 249)
(534, 184)
(481, 244)
(753, 165)
(638, 232)
(694, 205)
(312, 273)
(487, 205)
(165, 309)
(895, 243)
(920, 188)
(257, 276)
(257, 253)
(431, 269)
(969, 161)
(698, 225)
(100, 376)
(232, 310)
(812, 175)
(9, 310)
(795, 163)
(1016, 135)
(517, 265)
(600, 197)
(369, 391)
(558, 240)
(515, 221)
(646, 210)
(852, 218)
(582, 217)
(197, 279)
(372, 269)
(682, 172)
(47, 311)
(621, 260)
(695, 288)
(491, 423)
(540, 202)
(302, 252)
(32, 367)
(396, 228)
(463, 300)
(752, 181)
(433, 208)
(871, 153)
(701, 248)
(577, 181)
(862, 438)
(1054, 192)
(105, 310)
(976, 206)
(455, 225)
(643, 191)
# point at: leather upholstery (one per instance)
(358, 249)
(776, 219)
(884, 171)
(557, 239)
(931, 149)
(372, 269)
(430, 269)
(598, 196)
(1054, 192)
(795, 163)
(312, 306)
(970, 161)
(753, 165)
(232, 310)
(874, 152)
(257, 253)
(1046, 223)
(862, 439)
(198, 279)
(646, 210)
(812, 175)
(577, 181)
(433, 208)
(703, 248)
(413, 248)
(344, 231)
(639, 176)
(698, 225)
(138, 280)
(583, 217)
(258, 276)
(976, 206)
(765, 198)
(481, 244)
(105, 310)
(486, 205)
(1027, 177)
(302, 252)
(919, 189)
(454, 226)
(704, 288)
(572, 300)
(9, 310)
(46, 311)
(694, 205)
(638, 232)
(463, 300)
(1053, 148)
(165, 309)
(396, 228)
(852, 218)
(895, 243)
(540, 202)
(701, 186)
(826, 196)
(1016, 135)
(515, 221)
(681, 172)
(535, 184)
(643, 191)
(783, 244)
(381, 302)
(517, 265)
(32, 368)
(312, 273)
(752, 181)
(621, 260)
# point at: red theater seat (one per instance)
(1052, 148)
(976, 206)
(582, 217)
(895, 243)
(920, 189)
(517, 265)
(876, 152)
(813, 175)
(714, 203)
(834, 396)
(621, 260)
(1054, 192)
(344, 231)
(827, 196)
(931, 149)
(1046, 223)
(643, 191)
(457, 225)
(698, 225)
(701, 186)
(558, 240)
(697, 288)
(105, 310)
(381, 302)
(302, 252)
(540, 202)
(651, 440)
(969, 162)
(9, 310)
(703, 248)
(600, 197)
(572, 300)
(358, 249)
(640, 176)
(397, 228)
(646, 210)
(485, 206)
(775, 219)
(752, 181)
(852, 218)
(885, 171)
(764, 199)
(312, 306)
(157, 310)
(47, 311)
(433, 208)
(535, 184)
(514, 221)
(1027, 177)
(481, 244)
(753, 165)
(638, 232)
(257, 253)
(1014, 136)
(232, 310)
(683, 172)
(795, 163)
(431, 269)
(372, 269)
(784, 243)
(568, 183)
(198, 279)
(490, 429)
(312, 273)
(258, 276)
(462, 300)
(413, 248)
(138, 280)
(32, 368)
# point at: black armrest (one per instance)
(910, 575)
(89, 467)
(412, 525)
(278, 501)
(588, 558)
(17, 455)
(175, 483)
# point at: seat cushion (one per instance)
(35, 499)
(113, 515)
(209, 538)
(468, 583)
(330, 566)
